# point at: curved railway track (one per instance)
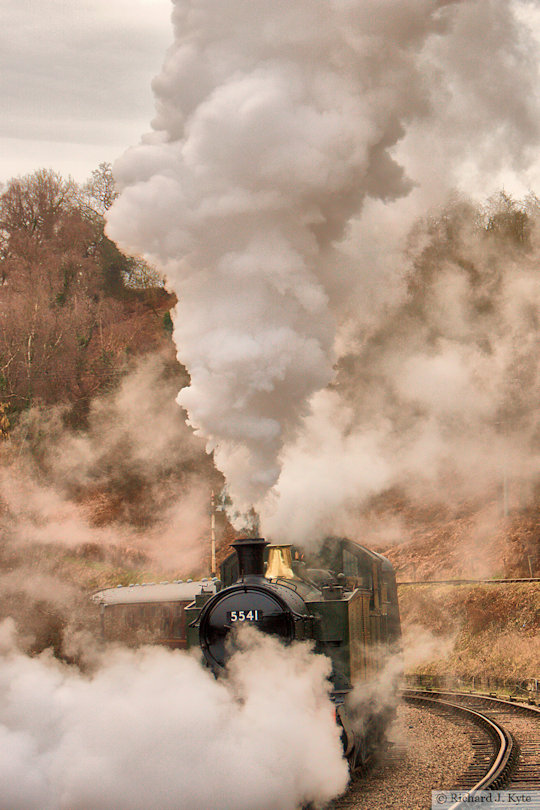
(503, 752)
(513, 728)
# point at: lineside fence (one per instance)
(527, 690)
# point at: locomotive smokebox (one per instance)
(250, 552)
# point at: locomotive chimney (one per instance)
(250, 552)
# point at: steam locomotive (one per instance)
(344, 601)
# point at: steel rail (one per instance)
(517, 580)
(515, 704)
(504, 751)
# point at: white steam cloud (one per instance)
(110, 484)
(276, 124)
(440, 397)
(153, 729)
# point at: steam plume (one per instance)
(440, 397)
(153, 729)
(109, 484)
(275, 124)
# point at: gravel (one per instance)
(428, 752)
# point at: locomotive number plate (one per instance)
(244, 615)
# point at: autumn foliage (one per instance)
(70, 311)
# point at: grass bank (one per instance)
(481, 631)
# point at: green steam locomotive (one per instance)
(343, 600)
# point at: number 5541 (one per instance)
(244, 615)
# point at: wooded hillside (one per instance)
(73, 307)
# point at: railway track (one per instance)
(502, 751)
(507, 753)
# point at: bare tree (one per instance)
(100, 190)
(32, 206)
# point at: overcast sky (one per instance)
(75, 80)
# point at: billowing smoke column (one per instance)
(275, 123)
(270, 131)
